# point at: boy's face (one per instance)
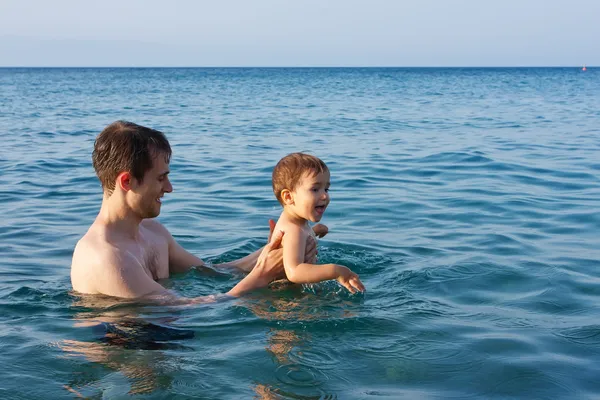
(311, 196)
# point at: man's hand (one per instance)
(264, 271)
(263, 266)
(310, 252)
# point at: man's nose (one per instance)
(168, 187)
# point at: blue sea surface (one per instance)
(468, 200)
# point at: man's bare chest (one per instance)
(152, 253)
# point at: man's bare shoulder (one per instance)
(156, 227)
(94, 244)
(93, 257)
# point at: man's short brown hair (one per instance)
(125, 146)
(289, 170)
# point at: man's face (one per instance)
(148, 193)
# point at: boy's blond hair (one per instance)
(289, 170)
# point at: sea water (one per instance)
(466, 199)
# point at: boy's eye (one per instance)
(327, 190)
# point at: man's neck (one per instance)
(117, 217)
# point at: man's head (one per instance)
(126, 154)
(301, 183)
(125, 146)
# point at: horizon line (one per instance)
(297, 67)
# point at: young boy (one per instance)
(301, 185)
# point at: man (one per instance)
(126, 251)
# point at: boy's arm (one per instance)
(180, 260)
(296, 269)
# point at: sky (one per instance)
(404, 33)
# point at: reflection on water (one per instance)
(121, 340)
(142, 370)
(148, 349)
(280, 343)
(288, 340)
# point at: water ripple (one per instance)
(466, 199)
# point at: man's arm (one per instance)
(180, 260)
(275, 256)
(125, 277)
(122, 275)
(263, 272)
(248, 262)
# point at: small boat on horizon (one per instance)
(584, 68)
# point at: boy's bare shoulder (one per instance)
(293, 233)
(289, 228)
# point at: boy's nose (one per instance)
(168, 187)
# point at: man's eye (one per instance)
(327, 190)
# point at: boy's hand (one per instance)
(349, 280)
(320, 230)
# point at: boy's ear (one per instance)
(286, 196)
(124, 180)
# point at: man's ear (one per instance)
(287, 197)
(124, 180)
